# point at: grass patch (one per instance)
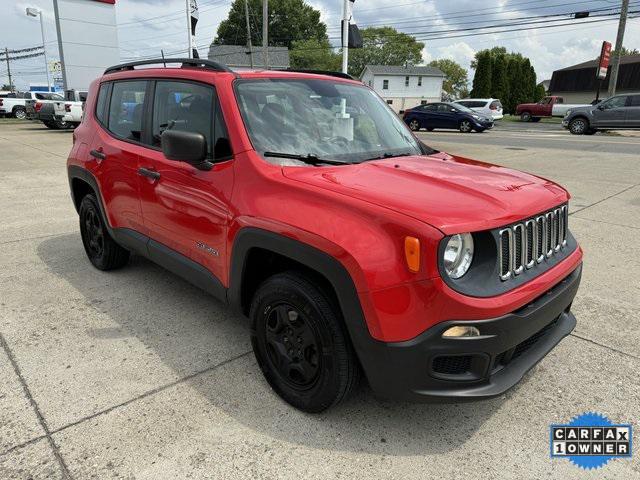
(516, 118)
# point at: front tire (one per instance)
(414, 125)
(20, 113)
(578, 126)
(103, 252)
(465, 126)
(300, 343)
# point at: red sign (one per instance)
(605, 56)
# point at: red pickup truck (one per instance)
(552, 106)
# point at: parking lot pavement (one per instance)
(136, 373)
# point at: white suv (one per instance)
(491, 107)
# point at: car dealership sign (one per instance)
(605, 56)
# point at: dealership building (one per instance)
(578, 83)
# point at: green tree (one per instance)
(289, 21)
(499, 77)
(314, 55)
(482, 77)
(6, 87)
(514, 85)
(540, 92)
(628, 51)
(455, 83)
(384, 46)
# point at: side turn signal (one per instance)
(412, 253)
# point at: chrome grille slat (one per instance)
(523, 245)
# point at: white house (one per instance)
(404, 87)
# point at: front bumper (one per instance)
(432, 368)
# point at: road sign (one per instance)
(605, 56)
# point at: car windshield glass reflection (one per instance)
(321, 119)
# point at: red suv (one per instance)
(304, 201)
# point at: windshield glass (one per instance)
(322, 118)
(462, 108)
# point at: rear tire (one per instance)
(414, 125)
(301, 344)
(103, 252)
(525, 117)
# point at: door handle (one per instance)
(145, 172)
(97, 154)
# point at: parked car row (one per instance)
(52, 109)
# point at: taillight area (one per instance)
(37, 106)
(67, 107)
(493, 107)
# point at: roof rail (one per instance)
(331, 73)
(185, 63)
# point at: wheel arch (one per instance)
(81, 182)
(247, 270)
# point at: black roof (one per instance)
(582, 77)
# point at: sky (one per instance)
(146, 26)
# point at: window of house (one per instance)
(406, 81)
(126, 109)
(423, 102)
(389, 102)
(420, 81)
(385, 84)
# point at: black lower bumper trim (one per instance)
(432, 368)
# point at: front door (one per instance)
(184, 208)
(611, 112)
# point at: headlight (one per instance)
(458, 255)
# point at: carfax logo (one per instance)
(590, 440)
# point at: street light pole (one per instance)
(615, 61)
(34, 12)
(345, 36)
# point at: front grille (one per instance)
(530, 242)
(452, 365)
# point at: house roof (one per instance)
(402, 70)
(594, 63)
(239, 56)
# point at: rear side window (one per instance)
(183, 106)
(495, 104)
(126, 109)
(101, 103)
(634, 101)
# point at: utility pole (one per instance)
(265, 33)
(615, 64)
(6, 52)
(246, 14)
(345, 36)
(190, 50)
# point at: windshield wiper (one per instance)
(386, 155)
(309, 158)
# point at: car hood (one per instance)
(453, 194)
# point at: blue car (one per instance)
(446, 115)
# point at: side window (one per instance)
(430, 107)
(633, 101)
(406, 81)
(101, 103)
(183, 106)
(419, 80)
(126, 109)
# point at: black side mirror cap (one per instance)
(188, 147)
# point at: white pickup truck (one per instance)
(14, 104)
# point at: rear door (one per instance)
(115, 150)
(632, 119)
(184, 208)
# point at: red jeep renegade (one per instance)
(302, 200)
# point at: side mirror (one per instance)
(601, 107)
(188, 147)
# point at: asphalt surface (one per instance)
(530, 136)
(137, 374)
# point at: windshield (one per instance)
(324, 119)
(462, 108)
